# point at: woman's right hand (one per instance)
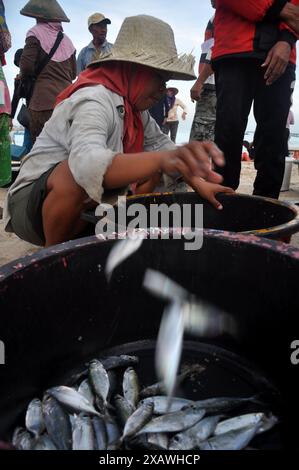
(193, 159)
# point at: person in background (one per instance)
(101, 139)
(204, 90)
(290, 122)
(160, 111)
(171, 123)
(27, 143)
(5, 106)
(59, 71)
(246, 151)
(254, 60)
(97, 25)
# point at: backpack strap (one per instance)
(49, 56)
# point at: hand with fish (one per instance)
(189, 160)
(209, 190)
(193, 160)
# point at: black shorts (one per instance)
(25, 207)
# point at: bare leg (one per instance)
(63, 206)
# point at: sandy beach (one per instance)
(12, 248)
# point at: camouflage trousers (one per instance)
(203, 126)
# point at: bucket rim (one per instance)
(16, 267)
(291, 226)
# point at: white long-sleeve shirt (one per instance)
(87, 130)
(173, 112)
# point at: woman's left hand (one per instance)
(209, 190)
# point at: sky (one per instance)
(188, 18)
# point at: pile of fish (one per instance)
(108, 410)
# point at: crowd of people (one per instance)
(109, 130)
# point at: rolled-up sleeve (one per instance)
(89, 155)
(154, 139)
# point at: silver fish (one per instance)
(200, 318)
(131, 387)
(174, 422)
(189, 438)
(157, 441)
(204, 319)
(181, 442)
(83, 434)
(159, 387)
(57, 423)
(34, 418)
(169, 345)
(123, 408)
(163, 287)
(72, 399)
(114, 362)
(113, 433)
(138, 419)
(221, 404)
(233, 440)
(267, 423)
(99, 380)
(44, 442)
(22, 439)
(121, 251)
(100, 432)
(238, 422)
(163, 406)
(86, 390)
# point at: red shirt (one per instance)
(250, 28)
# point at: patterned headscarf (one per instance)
(5, 38)
(5, 105)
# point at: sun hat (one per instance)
(48, 10)
(149, 41)
(97, 18)
(173, 89)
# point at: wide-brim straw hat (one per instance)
(48, 10)
(149, 41)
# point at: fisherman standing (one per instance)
(204, 90)
(5, 106)
(56, 68)
(254, 60)
(97, 25)
(171, 123)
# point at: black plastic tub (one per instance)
(251, 215)
(57, 311)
